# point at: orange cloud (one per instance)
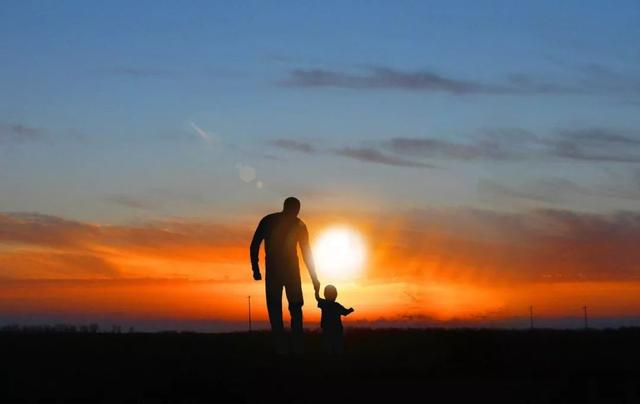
(486, 246)
(39, 246)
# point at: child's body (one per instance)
(331, 321)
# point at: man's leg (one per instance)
(274, 308)
(294, 297)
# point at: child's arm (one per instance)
(344, 311)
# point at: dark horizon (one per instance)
(217, 326)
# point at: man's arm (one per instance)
(254, 250)
(307, 256)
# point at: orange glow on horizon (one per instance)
(434, 272)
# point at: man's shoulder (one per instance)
(271, 217)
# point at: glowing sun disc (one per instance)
(339, 253)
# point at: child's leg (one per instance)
(339, 347)
(326, 340)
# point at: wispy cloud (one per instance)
(584, 144)
(381, 78)
(591, 80)
(595, 144)
(371, 155)
(294, 145)
(498, 144)
(601, 135)
(17, 132)
(366, 154)
(131, 201)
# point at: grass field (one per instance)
(499, 366)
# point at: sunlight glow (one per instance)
(339, 253)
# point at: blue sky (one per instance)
(493, 104)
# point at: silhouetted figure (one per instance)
(282, 232)
(331, 320)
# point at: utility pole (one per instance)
(531, 317)
(249, 299)
(586, 323)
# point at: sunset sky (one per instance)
(488, 154)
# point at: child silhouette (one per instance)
(331, 321)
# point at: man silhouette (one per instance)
(282, 232)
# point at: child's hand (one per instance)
(351, 310)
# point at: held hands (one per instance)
(256, 273)
(316, 286)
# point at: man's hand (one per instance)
(316, 285)
(256, 275)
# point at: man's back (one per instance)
(281, 234)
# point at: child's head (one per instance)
(330, 293)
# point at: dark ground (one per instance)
(495, 366)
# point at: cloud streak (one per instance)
(595, 145)
(382, 78)
(130, 201)
(587, 144)
(371, 155)
(17, 132)
(365, 154)
(596, 80)
(591, 144)
(294, 145)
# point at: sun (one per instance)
(339, 253)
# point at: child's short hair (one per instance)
(330, 292)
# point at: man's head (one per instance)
(330, 293)
(291, 206)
